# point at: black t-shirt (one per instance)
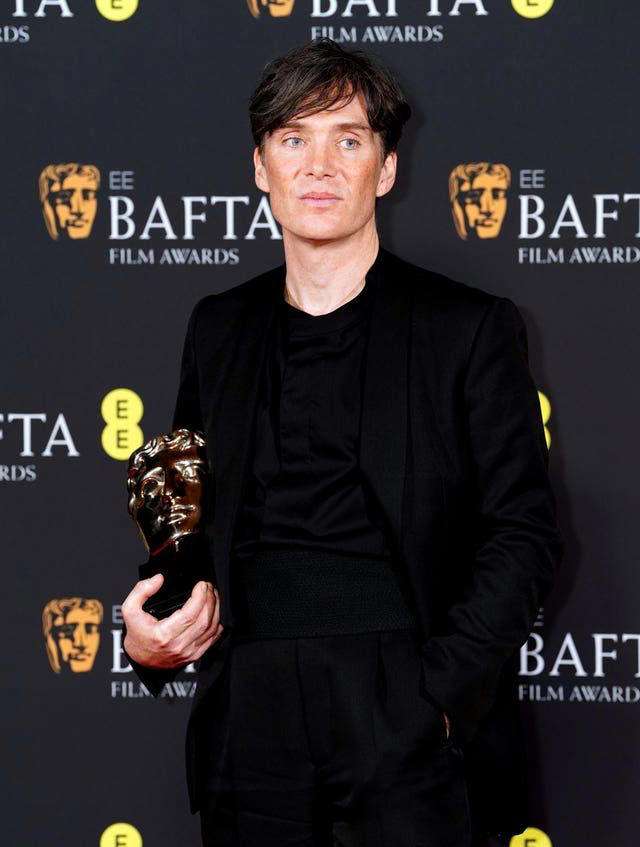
(304, 489)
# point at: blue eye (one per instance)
(353, 146)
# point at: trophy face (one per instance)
(168, 497)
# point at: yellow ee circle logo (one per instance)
(121, 835)
(531, 837)
(116, 10)
(122, 411)
(532, 8)
(545, 411)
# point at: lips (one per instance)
(320, 199)
(177, 514)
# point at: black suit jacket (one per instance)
(453, 447)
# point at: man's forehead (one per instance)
(352, 114)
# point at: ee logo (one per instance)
(531, 837)
(545, 411)
(532, 8)
(121, 835)
(122, 411)
(117, 10)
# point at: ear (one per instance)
(387, 174)
(260, 171)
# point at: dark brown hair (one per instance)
(319, 74)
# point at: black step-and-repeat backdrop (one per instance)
(129, 193)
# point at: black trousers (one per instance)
(331, 745)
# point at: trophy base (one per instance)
(163, 608)
(181, 568)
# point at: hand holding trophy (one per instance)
(168, 493)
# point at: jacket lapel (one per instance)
(383, 429)
(235, 416)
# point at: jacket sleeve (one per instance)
(188, 411)
(187, 414)
(519, 545)
(153, 679)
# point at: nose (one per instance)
(486, 204)
(80, 639)
(76, 203)
(320, 160)
(172, 482)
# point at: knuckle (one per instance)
(160, 639)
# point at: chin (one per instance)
(326, 232)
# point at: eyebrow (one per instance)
(341, 126)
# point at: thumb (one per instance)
(146, 587)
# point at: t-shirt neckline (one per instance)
(304, 323)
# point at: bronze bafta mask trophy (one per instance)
(167, 485)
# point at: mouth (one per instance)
(320, 199)
(177, 515)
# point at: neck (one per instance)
(320, 276)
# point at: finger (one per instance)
(202, 644)
(206, 626)
(141, 591)
(180, 620)
(202, 648)
(201, 627)
(212, 625)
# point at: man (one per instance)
(384, 529)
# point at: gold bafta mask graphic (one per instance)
(71, 627)
(69, 197)
(478, 196)
(166, 485)
(276, 8)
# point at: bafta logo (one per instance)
(478, 196)
(68, 194)
(71, 628)
(276, 8)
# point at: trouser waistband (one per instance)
(298, 593)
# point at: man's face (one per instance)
(169, 495)
(78, 638)
(74, 202)
(484, 203)
(334, 152)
